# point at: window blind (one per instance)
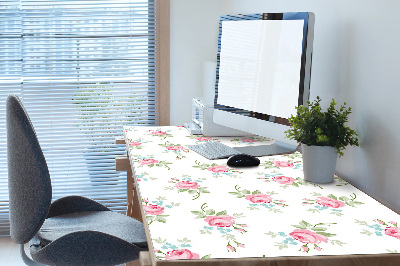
(83, 69)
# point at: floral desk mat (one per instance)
(198, 208)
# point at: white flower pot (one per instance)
(319, 163)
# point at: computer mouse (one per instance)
(243, 160)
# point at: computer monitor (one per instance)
(263, 73)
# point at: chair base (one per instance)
(26, 259)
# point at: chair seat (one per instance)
(108, 222)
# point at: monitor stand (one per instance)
(277, 148)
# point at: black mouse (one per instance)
(243, 160)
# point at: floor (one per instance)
(9, 253)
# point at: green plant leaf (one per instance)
(210, 212)
(318, 229)
(295, 184)
(245, 191)
(366, 232)
(361, 222)
(337, 242)
(312, 126)
(326, 234)
(161, 219)
(350, 203)
(344, 198)
(303, 225)
(332, 196)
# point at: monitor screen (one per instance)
(260, 63)
(263, 71)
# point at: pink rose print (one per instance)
(283, 164)
(284, 180)
(304, 248)
(220, 220)
(135, 143)
(181, 254)
(259, 198)
(329, 202)
(241, 245)
(175, 148)
(232, 249)
(249, 140)
(318, 248)
(218, 169)
(187, 185)
(148, 161)
(158, 133)
(307, 236)
(153, 209)
(204, 138)
(393, 231)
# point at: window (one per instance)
(83, 69)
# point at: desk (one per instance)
(204, 211)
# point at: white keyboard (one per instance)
(214, 150)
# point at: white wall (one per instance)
(194, 41)
(356, 60)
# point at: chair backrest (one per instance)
(29, 183)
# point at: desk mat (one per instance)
(198, 209)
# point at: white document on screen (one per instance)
(260, 65)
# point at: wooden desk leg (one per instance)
(144, 260)
(133, 263)
(133, 199)
(129, 193)
(133, 210)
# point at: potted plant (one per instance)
(97, 106)
(323, 135)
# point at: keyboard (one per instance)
(214, 150)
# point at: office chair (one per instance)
(70, 231)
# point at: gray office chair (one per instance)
(70, 231)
